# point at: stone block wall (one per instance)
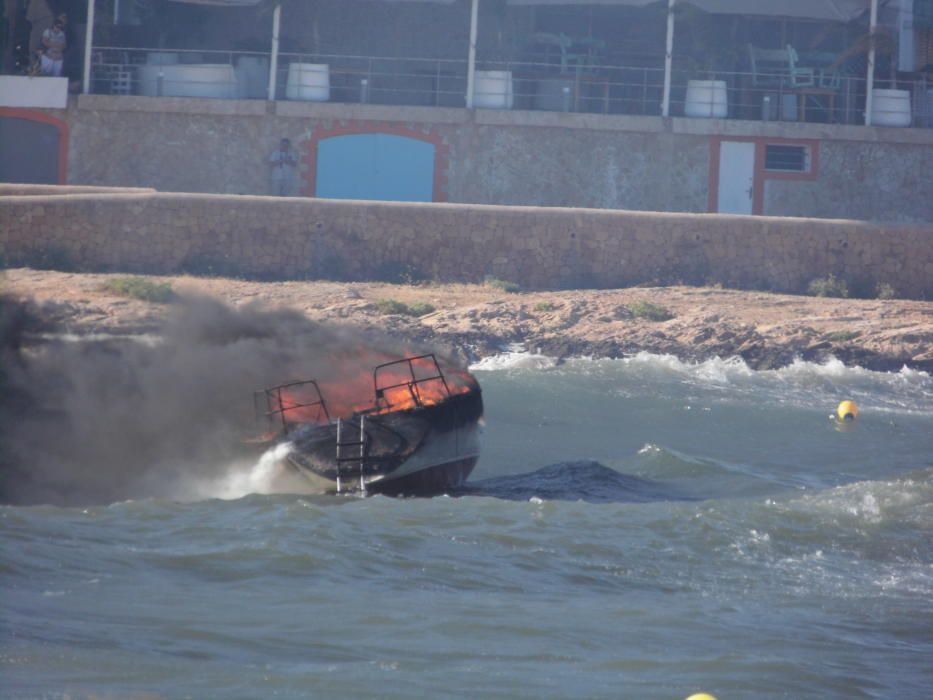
(539, 248)
(501, 156)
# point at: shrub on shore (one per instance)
(650, 311)
(842, 336)
(393, 306)
(141, 288)
(510, 287)
(885, 291)
(829, 286)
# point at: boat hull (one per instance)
(424, 451)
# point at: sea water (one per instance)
(639, 528)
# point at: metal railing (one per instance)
(829, 97)
(372, 79)
(179, 73)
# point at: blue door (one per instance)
(375, 166)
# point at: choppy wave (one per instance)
(584, 480)
(907, 390)
(513, 360)
(864, 538)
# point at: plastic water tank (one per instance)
(308, 81)
(216, 80)
(492, 89)
(890, 108)
(706, 98)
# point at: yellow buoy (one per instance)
(701, 696)
(847, 411)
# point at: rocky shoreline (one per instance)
(474, 321)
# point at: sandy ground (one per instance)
(767, 330)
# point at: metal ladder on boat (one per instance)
(344, 457)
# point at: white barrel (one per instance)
(890, 108)
(308, 81)
(217, 80)
(492, 89)
(706, 98)
(252, 76)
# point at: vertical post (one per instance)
(668, 60)
(339, 456)
(471, 59)
(274, 58)
(362, 453)
(88, 42)
(870, 84)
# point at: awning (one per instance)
(228, 3)
(838, 10)
(248, 3)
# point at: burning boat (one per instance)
(416, 433)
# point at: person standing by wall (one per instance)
(284, 163)
(53, 48)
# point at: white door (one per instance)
(736, 177)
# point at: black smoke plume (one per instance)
(96, 422)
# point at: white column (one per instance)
(88, 42)
(471, 59)
(906, 36)
(274, 59)
(870, 84)
(668, 60)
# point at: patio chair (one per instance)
(769, 67)
(825, 65)
(799, 76)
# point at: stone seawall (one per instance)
(538, 248)
(8, 189)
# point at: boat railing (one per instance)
(413, 385)
(291, 404)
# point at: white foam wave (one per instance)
(513, 360)
(873, 502)
(716, 368)
(266, 476)
(801, 382)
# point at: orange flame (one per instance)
(352, 389)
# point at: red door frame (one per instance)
(760, 175)
(441, 151)
(63, 134)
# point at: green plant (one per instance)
(842, 336)
(829, 286)
(885, 291)
(393, 306)
(510, 287)
(543, 306)
(650, 311)
(420, 308)
(141, 288)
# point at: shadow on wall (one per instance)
(33, 147)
